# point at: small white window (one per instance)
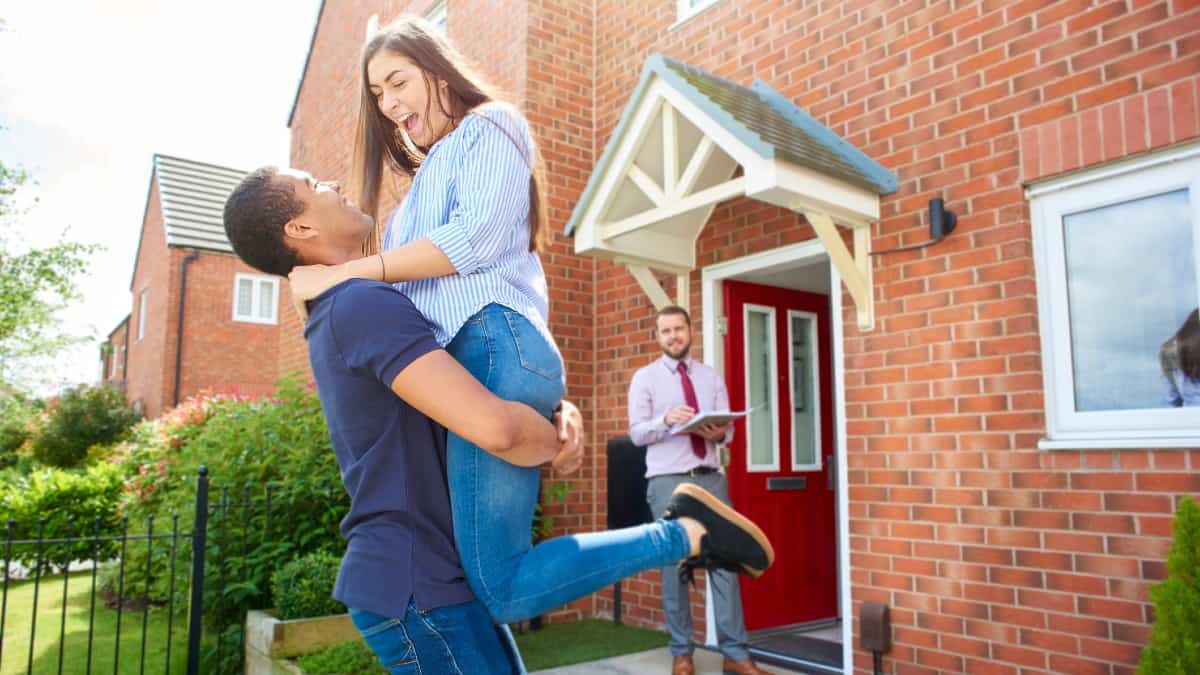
(436, 15)
(686, 9)
(141, 333)
(1117, 251)
(762, 397)
(255, 298)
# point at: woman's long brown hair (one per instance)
(1182, 351)
(376, 142)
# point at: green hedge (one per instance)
(303, 586)
(59, 504)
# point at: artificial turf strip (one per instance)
(560, 644)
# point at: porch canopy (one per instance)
(688, 140)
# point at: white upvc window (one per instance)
(141, 332)
(1117, 251)
(255, 298)
(686, 9)
(436, 15)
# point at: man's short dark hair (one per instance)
(673, 310)
(255, 214)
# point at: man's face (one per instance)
(673, 335)
(338, 220)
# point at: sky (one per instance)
(89, 91)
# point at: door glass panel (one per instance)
(760, 388)
(805, 410)
(1131, 283)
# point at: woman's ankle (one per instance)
(695, 532)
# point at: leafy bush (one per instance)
(58, 504)
(348, 658)
(1174, 646)
(82, 417)
(302, 587)
(16, 424)
(276, 494)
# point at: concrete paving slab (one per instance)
(653, 662)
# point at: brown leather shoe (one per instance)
(682, 665)
(746, 667)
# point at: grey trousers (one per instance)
(726, 597)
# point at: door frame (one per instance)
(711, 296)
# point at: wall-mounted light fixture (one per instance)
(941, 224)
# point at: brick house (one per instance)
(997, 470)
(200, 318)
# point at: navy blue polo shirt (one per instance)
(400, 541)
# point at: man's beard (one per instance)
(682, 352)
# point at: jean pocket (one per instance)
(535, 353)
(388, 638)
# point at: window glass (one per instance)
(1131, 282)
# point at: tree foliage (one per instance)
(1174, 647)
(35, 283)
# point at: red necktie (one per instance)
(689, 396)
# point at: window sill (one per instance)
(261, 322)
(1121, 443)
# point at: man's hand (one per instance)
(309, 281)
(710, 431)
(679, 414)
(569, 422)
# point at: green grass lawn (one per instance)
(555, 645)
(17, 622)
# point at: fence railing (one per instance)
(236, 540)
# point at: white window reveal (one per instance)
(436, 15)
(1117, 251)
(255, 298)
(686, 9)
(762, 398)
(141, 333)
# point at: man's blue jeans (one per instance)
(455, 640)
(493, 500)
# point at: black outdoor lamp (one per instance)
(941, 224)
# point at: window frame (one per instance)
(684, 12)
(143, 303)
(256, 280)
(1049, 202)
(437, 11)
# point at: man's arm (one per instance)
(509, 430)
(645, 428)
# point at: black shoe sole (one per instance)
(722, 510)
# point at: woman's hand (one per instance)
(569, 422)
(309, 281)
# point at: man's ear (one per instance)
(299, 228)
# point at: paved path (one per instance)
(653, 662)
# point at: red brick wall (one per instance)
(146, 369)
(219, 354)
(114, 353)
(994, 556)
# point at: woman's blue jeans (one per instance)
(493, 501)
(455, 640)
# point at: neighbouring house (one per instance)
(973, 432)
(201, 320)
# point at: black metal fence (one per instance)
(212, 573)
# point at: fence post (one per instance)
(199, 536)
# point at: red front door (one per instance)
(777, 363)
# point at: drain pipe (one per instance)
(179, 329)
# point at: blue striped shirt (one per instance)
(471, 198)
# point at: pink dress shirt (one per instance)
(656, 389)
